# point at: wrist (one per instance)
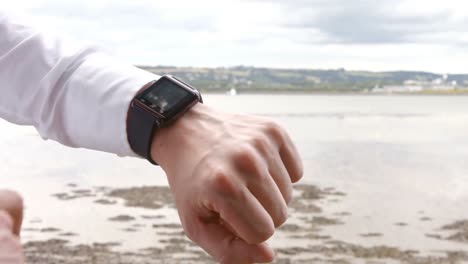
(170, 143)
(153, 116)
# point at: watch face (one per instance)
(166, 96)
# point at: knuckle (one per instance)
(260, 142)
(225, 185)
(273, 128)
(242, 153)
(245, 158)
(257, 178)
(11, 202)
(263, 234)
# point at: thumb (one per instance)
(223, 245)
(6, 222)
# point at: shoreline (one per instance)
(327, 93)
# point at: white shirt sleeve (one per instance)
(78, 96)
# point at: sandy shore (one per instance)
(307, 232)
(386, 182)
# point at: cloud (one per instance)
(370, 21)
(357, 34)
(126, 15)
(319, 21)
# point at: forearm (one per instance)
(78, 96)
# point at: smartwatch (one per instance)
(162, 103)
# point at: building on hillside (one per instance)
(398, 89)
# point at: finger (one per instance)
(226, 248)
(291, 159)
(10, 248)
(12, 203)
(6, 222)
(238, 207)
(276, 167)
(281, 177)
(271, 199)
(287, 149)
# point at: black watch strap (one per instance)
(140, 129)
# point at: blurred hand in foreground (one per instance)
(11, 211)
(231, 176)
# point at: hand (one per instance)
(10, 222)
(231, 176)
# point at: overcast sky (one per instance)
(353, 34)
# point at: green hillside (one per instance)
(250, 79)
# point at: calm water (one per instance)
(398, 158)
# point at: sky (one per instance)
(370, 35)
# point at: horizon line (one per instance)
(297, 69)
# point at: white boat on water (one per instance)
(232, 92)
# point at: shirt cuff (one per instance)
(99, 95)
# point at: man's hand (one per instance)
(10, 222)
(231, 176)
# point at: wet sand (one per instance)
(307, 227)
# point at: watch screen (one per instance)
(164, 96)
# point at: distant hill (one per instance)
(270, 80)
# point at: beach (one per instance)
(386, 181)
